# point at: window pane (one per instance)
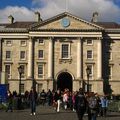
(40, 54)
(89, 41)
(7, 70)
(8, 54)
(23, 71)
(8, 42)
(41, 41)
(89, 54)
(65, 49)
(22, 54)
(23, 43)
(22, 88)
(40, 70)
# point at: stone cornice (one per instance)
(13, 30)
(67, 30)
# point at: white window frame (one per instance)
(8, 75)
(21, 54)
(40, 76)
(69, 52)
(91, 54)
(89, 43)
(39, 54)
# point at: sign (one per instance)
(3, 93)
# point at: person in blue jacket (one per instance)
(104, 105)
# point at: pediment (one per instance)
(66, 21)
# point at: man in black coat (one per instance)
(80, 104)
(33, 97)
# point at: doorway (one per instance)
(64, 80)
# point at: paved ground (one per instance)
(47, 113)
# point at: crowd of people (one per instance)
(80, 102)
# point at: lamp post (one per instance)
(20, 73)
(88, 73)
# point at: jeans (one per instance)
(33, 106)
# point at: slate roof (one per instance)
(24, 24)
(108, 25)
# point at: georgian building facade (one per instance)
(55, 53)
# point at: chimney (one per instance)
(11, 19)
(38, 18)
(95, 17)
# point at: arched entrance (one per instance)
(64, 80)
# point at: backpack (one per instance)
(93, 102)
(81, 101)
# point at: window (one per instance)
(65, 51)
(8, 55)
(90, 88)
(91, 69)
(22, 88)
(23, 43)
(89, 42)
(40, 71)
(89, 54)
(23, 71)
(8, 43)
(8, 70)
(40, 54)
(40, 41)
(40, 88)
(22, 55)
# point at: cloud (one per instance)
(107, 9)
(19, 14)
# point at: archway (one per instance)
(64, 80)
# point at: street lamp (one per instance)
(88, 73)
(20, 73)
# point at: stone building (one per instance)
(55, 53)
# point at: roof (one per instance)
(2, 25)
(108, 24)
(24, 24)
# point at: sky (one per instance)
(23, 10)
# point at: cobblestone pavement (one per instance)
(48, 113)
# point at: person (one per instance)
(80, 104)
(43, 97)
(65, 99)
(104, 105)
(49, 98)
(57, 99)
(92, 106)
(9, 101)
(33, 98)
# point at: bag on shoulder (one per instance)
(93, 103)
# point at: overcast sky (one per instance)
(23, 10)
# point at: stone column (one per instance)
(50, 58)
(30, 56)
(99, 59)
(79, 59)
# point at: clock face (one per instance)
(65, 22)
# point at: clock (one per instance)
(65, 22)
